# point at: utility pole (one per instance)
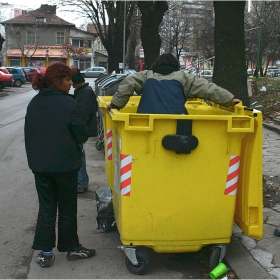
(258, 50)
(124, 28)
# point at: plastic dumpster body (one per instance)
(173, 201)
(111, 88)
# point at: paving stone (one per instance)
(273, 220)
(268, 231)
(276, 207)
(276, 260)
(237, 232)
(275, 272)
(248, 242)
(271, 245)
(263, 257)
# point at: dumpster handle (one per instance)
(183, 142)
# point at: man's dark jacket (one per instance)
(85, 96)
(54, 126)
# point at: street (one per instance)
(19, 206)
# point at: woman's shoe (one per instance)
(81, 190)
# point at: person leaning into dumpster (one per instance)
(54, 128)
(164, 89)
(85, 96)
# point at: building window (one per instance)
(41, 19)
(80, 43)
(15, 62)
(60, 38)
(100, 46)
(30, 38)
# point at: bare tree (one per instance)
(36, 35)
(207, 22)
(152, 14)
(176, 28)
(2, 40)
(263, 33)
(133, 40)
(108, 19)
(75, 52)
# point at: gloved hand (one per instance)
(111, 106)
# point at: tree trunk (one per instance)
(152, 14)
(230, 62)
(2, 40)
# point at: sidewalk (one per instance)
(250, 258)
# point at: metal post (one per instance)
(169, 30)
(258, 56)
(259, 47)
(124, 27)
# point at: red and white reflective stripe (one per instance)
(125, 174)
(109, 137)
(232, 177)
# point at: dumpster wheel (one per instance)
(99, 145)
(143, 263)
(217, 256)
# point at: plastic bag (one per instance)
(105, 220)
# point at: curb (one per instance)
(273, 127)
(2, 94)
(240, 260)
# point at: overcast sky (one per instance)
(35, 4)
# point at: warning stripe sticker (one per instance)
(232, 177)
(125, 174)
(109, 143)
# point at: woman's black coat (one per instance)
(54, 126)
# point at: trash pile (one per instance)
(267, 100)
(271, 191)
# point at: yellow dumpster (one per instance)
(180, 181)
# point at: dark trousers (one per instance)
(56, 192)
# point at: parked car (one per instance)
(192, 71)
(42, 70)
(30, 73)
(19, 76)
(4, 70)
(129, 71)
(272, 72)
(6, 80)
(250, 72)
(206, 74)
(94, 72)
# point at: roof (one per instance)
(91, 28)
(45, 11)
(100, 54)
(75, 30)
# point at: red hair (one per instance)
(57, 70)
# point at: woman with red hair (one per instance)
(54, 128)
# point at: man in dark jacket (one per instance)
(85, 96)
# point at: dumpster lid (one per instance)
(249, 200)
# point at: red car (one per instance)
(30, 73)
(4, 70)
(42, 70)
(6, 80)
